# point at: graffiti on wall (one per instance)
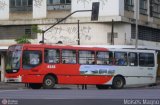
(68, 35)
(84, 2)
(103, 2)
(2, 4)
(38, 3)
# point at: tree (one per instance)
(23, 39)
(35, 29)
(26, 38)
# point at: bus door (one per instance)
(147, 67)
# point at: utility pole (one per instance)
(78, 34)
(112, 33)
(136, 38)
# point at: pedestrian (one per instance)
(84, 87)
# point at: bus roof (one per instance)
(123, 47)
(65, 46)
(93, 47)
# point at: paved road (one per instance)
(80, 97)
(73, 96)
(81, 94)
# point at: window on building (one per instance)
(129, 5)
(18, 3)
(132, 59)
(69, 56)
(146, 59)
(30, 2)
(21, 5)
(104, 58)
(146, 33)
(12, 3)
(59, 4)
(120, 58)
(68, 1)
(8, 32)
(143, 6)
(52, 56)
(86, 57)
(28, 32)
(155, 8)
(24, 2)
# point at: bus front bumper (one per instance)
(18, 79)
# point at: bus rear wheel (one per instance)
(118, 82)
(49, 82)
(102, 86)
(35, 85)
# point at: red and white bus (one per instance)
(46, 65)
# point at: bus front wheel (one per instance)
(35, 85)
(118, 82)
(49, 82)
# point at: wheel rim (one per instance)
(119, 83)
(48, 82)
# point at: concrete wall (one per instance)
(20, 15)
(90, 33)
(107, 7)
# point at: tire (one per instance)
(35, 85)
(49, 82)
(102, 86)
(118, 83)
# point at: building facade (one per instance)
(18, 17)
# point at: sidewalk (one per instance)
(12, 85)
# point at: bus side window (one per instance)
(69, 56)
(121, 58)
(104, 58)
(52, 56)
(31, 59)
(86, 57)
(133, 59)
(146, 59)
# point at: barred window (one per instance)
(129, 5)
(146, 33)
(155, 8)
(143, 6)
(16, 3)
(21, 5)
(8, 32)
(58, 4)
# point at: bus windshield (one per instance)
(13, 59)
